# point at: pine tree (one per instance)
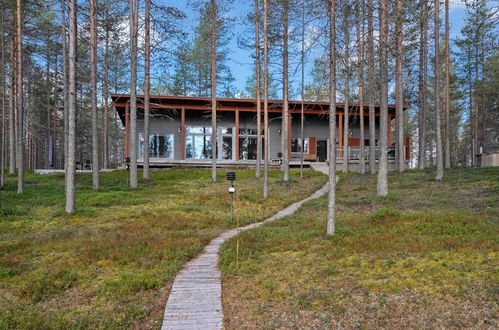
(399, 97)
(382, 186)
(265, 103)
(147, 88)
(71, 144)
(93, 73)
(440, 166)
(331, 214)
(20, 102)
(134, 15)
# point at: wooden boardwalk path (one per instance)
(195, 301)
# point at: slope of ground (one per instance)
(425, 256)
(111, 264)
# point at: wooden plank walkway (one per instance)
(195, 301)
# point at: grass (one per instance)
(425, 256)
(111, 264)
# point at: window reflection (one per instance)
(248, 143)
(296, 145)
(160, 146)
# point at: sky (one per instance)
(241, 63)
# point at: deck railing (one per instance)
(353, 153)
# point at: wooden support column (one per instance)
(390, 117)
(290, 135)
(236, 135)
(340, 136)
(182, 133)
(127, 120)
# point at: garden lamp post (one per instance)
(231, 176)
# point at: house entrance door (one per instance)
(322, 150)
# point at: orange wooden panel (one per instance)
(353, 142)
(312, 150)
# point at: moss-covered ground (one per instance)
(425, 256)
(112, 263)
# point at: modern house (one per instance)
(180, 131)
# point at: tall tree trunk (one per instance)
(71, 154)
(49, 95)
(4, 90)
(399, 88)
(258, 91)
(447, 88)
(370, 78)
(55, 112)
(20, 109)
(346, 109)
(147, 89)
(382, 186)
(65, 69)
(213, 90)
(360, 55)
(440, 163)
(285, 92)
(331, 214)
(265, 104)
(423, 60)
(93, 78)
(302, 116)
(105, 128)
(12, 112)
(134, 14)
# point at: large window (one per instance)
(248, 143)
(160, 146)
(296, 145)
(225, 141)
(197, 142)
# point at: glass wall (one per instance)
(160, 146)
(225, 141)
(296, 145)
(248, 143)
(198, 142)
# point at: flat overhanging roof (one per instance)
(168, 103)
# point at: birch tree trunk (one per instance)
(370, 78)
(423, 59)
(134, 14)
(93, 77)
(399, 88)
(214, 90)
(20, 108)
(382, 186)
(285, 91)
(360, 56)
(71, 156)
(346, 109)
(265, 104)
(258, 91)
(331, 214)
(147, 88)
(440, 163)
(447, 92)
